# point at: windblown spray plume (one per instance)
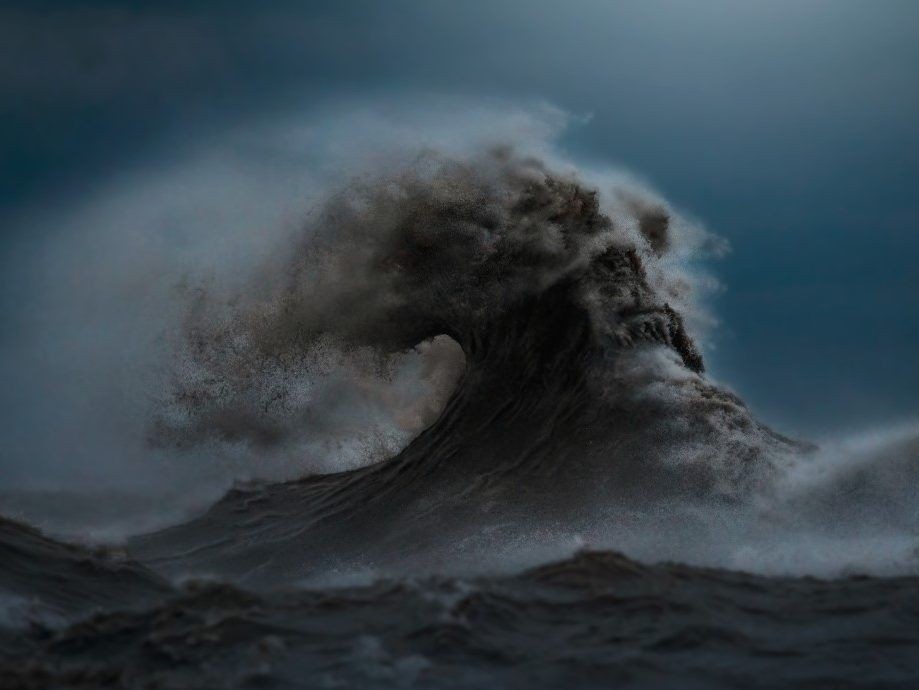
(581, 382)
(487, 361)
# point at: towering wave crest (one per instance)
(443, 247)
(471, 355)
(485, 369)
(582, 384)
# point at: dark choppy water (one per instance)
(597, 620)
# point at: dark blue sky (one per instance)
(790, 127)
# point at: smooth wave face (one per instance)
(45, 579)
(571, 419)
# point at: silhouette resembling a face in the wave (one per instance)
(581, 380)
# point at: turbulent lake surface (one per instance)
(595, 620)
(575, 423)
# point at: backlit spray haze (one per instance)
(417, 344)
(223, 314)
(111, 282)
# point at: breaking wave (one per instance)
(575, 409)
(455, 391)
(467, 357)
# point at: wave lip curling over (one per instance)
(500, 355)
(582, 386)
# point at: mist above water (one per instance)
(122, 284)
